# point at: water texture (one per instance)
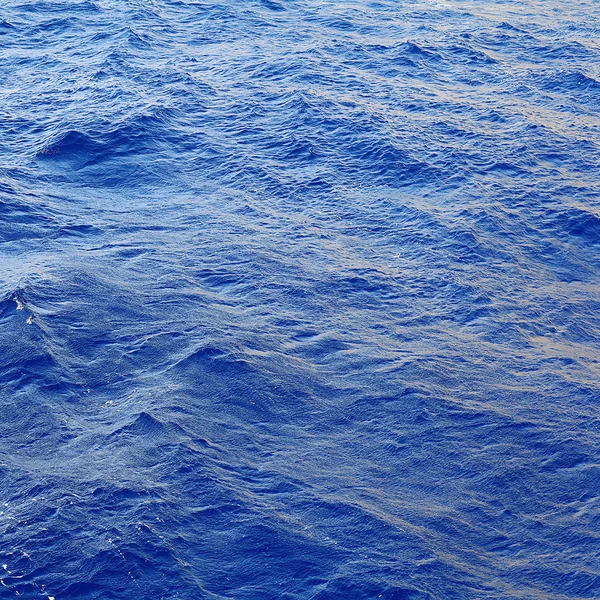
(299, 299)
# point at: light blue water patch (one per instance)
(299, 299)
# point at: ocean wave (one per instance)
(299, 300)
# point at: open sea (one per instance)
(299, 299)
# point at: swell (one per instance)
(299, 300)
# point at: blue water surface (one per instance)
(299, 299)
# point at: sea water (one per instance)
(299, 299)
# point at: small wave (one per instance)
(570, 82)
(274, 6)
(5, 27)
(579, 223)
(145, 424)
(90, 155)
(74, 146)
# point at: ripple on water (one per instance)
(299, 300)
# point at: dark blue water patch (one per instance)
(579, 223)
(570, 83)
(274, 6)
(51, 7)
(138, 135)
(6, 27)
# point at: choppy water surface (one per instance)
(299, 299)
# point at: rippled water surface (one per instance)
(299, 299)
